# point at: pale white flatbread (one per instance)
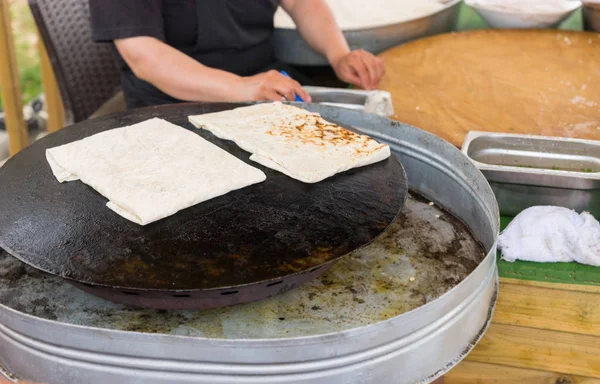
(293, 141)
(152, 169)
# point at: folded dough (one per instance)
(293, 141)
(152, 169)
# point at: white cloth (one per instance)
(552, 234)
(293, 141)
(152, 169)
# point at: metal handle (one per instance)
(377, 102)
(337, 95)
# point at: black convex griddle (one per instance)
(246, 245)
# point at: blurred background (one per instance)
(34, 67)
(28, 58)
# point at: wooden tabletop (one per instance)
(535, 82)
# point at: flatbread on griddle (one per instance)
(293, 141)
(151, 170)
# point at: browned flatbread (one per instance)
(293, 141)
(531, 82)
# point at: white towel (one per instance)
(552, 234)
(152, 169)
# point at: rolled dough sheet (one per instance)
(151, 170)
(293, 141)
(534, 82)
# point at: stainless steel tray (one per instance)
(290, 47)
(527, 170)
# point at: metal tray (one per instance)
(527, 170)
(290, 47)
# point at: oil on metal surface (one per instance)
(423, 254)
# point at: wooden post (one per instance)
(54, 105)
(10, 84)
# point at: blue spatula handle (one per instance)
(284, 73)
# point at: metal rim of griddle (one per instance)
(202, 298)
(193, 295)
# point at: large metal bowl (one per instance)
(57, 339)
(291, 49)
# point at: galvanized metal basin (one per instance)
(54, 333)
(290, 47)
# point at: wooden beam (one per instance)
(10, 84)
(54, 105)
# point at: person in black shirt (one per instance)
(218, 50)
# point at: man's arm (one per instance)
(316, 24)
(137, 29)
(182, 77)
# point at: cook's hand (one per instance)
(272, 85)
(360, 68)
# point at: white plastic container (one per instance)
(512, 14)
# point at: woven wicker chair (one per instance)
(86, 73)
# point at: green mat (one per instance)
(569, 273)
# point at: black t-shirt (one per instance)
(232, 35)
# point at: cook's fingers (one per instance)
(379, 69)
(298, 90)
(271, 95)
(290, 88)
(361, 71)
(286, 91)
(370, 66)
(304, 95)
(352, 78)
(381, 66)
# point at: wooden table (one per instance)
(546, 328)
